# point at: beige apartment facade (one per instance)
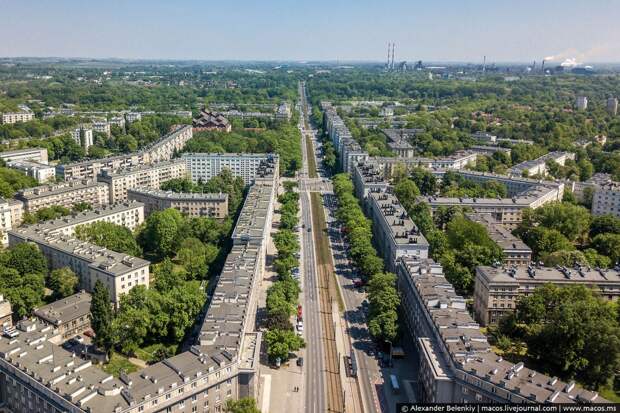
(190, 204)
(64, 194)
(146, 176)
(498, 289)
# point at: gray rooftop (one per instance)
(467, 348)
(66, 309)
(48, 190)
(498, 233)
(180, 196)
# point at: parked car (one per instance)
(300, 361)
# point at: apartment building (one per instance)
(83, 137)
(41, 172)
(6, 221)
(6, 313)
(538, 166)
(283, 112)
(101, 126)
(127, 214)
(118, 272)
(516, 252)
(523, 192)
(24, 115)
(581, 102)
(64, 194)
(204, 166)
(498, 289)
(606, 199)
(150, 176)
(456, 363)
(32, 154)
(162, 150)
(457, 161)
(221, 365)
(368, 177)
(190, 204)
(89, 169)
(612, 106)
(117, 121)
(70, 316)
(393, 230)
(133, 116)
(17, 211)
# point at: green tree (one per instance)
(160, 235)
(572, 333)
(23, 291)
(407, 191)
(101, 316)
(604, 224)
(111, 236)
(243, 405)
(63, 282)
(25, 258)
(608, 245)
(280, 343)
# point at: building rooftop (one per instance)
(498, 233)
(519, 168)
(183, 196)
(252, 218)
(107, 172)
(467, 348)
(77, 218)
(401, 226)
(535, 273)
(54, 189)
(66, 309)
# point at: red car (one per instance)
(299, 313)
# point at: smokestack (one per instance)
(543, 67)
(484, 64)
(534, 65)
(387, 64)
(393, 46)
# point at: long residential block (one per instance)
(538, 166)
(191, 204)
(162, 150)
(498, 289)
(30, 154)
(151, 176)
(36, 375)
(65, 194)
(456, 363)
(394, 232)
(516, 252)
(204, 166)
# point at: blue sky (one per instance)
(519, 30)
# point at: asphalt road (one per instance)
(314, 386)
(361, 343)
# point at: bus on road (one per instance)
(394, 384)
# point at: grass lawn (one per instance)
(608, 392)
(117, 363)
(147, 353)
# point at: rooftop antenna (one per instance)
(393, 46)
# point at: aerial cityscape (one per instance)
(202, 216)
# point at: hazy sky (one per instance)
(515, 30)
